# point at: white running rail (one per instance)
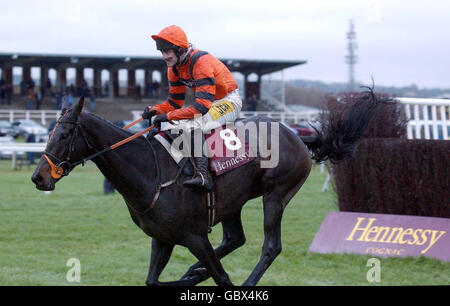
(15, 149)
(428, 118)
(43, 116)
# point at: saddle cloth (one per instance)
(226, 147)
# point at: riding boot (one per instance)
(202, 179)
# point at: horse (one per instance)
(175, 215)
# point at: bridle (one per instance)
(62, 167)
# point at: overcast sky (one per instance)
(399, 42)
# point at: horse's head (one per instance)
(65, 148)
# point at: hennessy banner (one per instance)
(383, 235)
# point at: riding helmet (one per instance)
(171, 37)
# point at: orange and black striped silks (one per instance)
(206, 75)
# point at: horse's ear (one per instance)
(78, 107)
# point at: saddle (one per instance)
(227, 150)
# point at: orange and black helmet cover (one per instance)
(171, 36)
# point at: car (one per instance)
(6, 129)
(302, 129)
(290, 128)
(26, 126)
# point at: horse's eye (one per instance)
(64, 136)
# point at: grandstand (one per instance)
(120, 83)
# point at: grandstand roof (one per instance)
(131, 62)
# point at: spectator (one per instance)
(149, 90)
(97, 91)
(8, 92)
(41, 91)
(31, 138)
(106, 89)
(138, 91)
(85, 91)
(115, 88)
(48, 86)
(2, 91)
(38, 97)
(70, 99)
(51, 127)
(31, 84)
(23, 87)
(155, 86)
(91, 103)
(64, 102)
(73, 90)
(58, 99)
(107, 187)
(30, 99)
(252, 101)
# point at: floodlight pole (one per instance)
(283, 91)
(351, 59)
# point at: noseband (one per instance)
(64, 166)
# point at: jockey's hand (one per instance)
(148, 114)
(160, 118)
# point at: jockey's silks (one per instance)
(210, 79)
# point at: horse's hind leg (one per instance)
(273, 210)
(233, 238)
(274, 204)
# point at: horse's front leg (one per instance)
(158, 260)
(160, 255)
(201, 248)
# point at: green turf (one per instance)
(39, 232)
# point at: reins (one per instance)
(57, 170)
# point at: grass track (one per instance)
(39, 233)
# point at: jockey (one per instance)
(217, 99)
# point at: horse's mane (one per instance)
(108, 123)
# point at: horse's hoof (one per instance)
(201, 272)
(153, 284)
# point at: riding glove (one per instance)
(148, 114)
(160, 118)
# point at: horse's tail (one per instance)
(340, 131)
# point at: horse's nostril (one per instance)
(36, 178)
(41, 183)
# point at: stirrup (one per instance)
(196, 184)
